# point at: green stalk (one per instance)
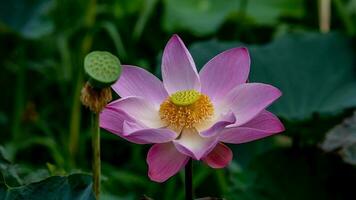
(74, 124)
(19, 100)
(96, 154)
(222, 181)
(19, 105)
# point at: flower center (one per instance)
(186, 109)
(185, 97)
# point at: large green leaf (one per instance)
(306, 174)
(72, 187)
(200, 17)
(27, 17)
(268, 12)
(315, 72)
(15, 184)
(9, 173)
(203, 17)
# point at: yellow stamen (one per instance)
(186, 109)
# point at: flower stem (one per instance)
(96, 154)
(189, 181)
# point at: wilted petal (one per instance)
(164, 161)
(140, 109)
(264, 125)
(178, 68)
(135, 81)
(249, 99)
(224, 72)
(192, 144)
(219, 157)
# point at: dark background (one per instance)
(44, 130)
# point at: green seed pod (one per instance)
(103, 68)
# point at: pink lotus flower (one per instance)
(191, 114)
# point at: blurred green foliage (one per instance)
(45, 132)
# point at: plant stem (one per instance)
(75, 118)
(189, 181)
(19, 105)
(74, 123)
(96, 154)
